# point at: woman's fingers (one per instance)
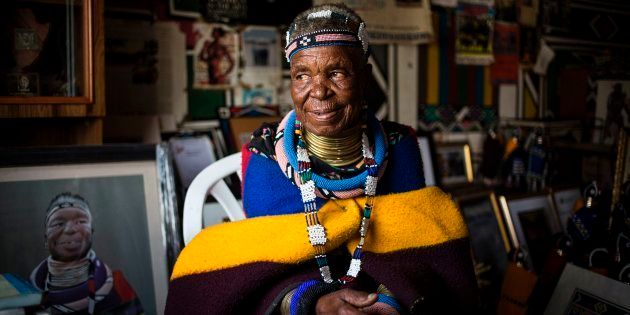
(358, 298)
(345, 301)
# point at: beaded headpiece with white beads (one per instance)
(326, 25)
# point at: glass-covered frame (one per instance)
(46, 52)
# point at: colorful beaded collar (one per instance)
(316, 231)
(380, 154)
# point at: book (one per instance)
(13, 311)
(17, 292)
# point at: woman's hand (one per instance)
(345, 301)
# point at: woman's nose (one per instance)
(319, 90)
(70, 227)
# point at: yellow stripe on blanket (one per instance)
(419, 218)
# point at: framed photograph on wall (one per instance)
(531, 221)
(261, 56)
(488, 235)
(454, 163)
(185, 8)
(215, 56)
(581, 291)
(130, 193)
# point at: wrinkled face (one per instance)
(68, 234)
(327, 87)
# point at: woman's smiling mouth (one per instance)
(324, 115)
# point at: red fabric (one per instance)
(122, 287)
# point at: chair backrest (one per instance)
(210, 181)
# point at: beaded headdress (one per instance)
(326, 25)
(67, 200)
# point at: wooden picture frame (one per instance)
(130, 191)
(531, 221)
(79, 54)
(454, 163)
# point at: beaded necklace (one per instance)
(316, 231)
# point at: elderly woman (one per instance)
(72, 278)
(339, 218)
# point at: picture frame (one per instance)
(34, 69)
(563, 202)
(241, 128)
(185, 8)
(488, 234)
(454, 163)
(531, 221)
(261, 55)
(131, 195)
(215, 56)
(581, 291)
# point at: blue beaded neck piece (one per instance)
(380, 153)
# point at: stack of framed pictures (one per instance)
(500, 224)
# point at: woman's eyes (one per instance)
(337, 75)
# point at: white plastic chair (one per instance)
(210, 181)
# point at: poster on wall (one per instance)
(505, 66)
(474, 27)
(412, 24)
(261, 56)
(215, 56)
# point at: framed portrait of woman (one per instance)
(129, 192)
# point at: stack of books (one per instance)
(16, 293)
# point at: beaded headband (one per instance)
(68, 202)
(353, 35)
